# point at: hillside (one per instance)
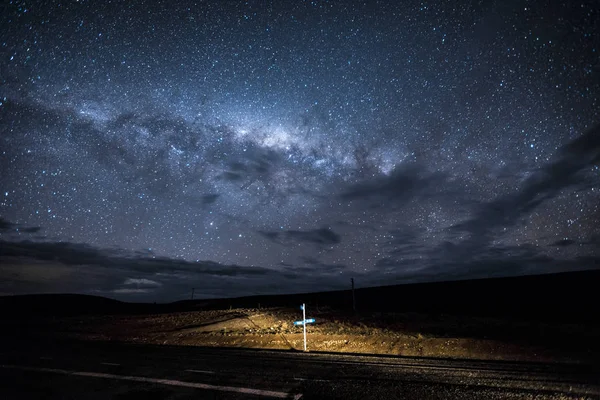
(535, 318)
(568, 295)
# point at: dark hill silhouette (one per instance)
(58, 304)
(564, 296)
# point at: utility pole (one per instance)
(353, 298)
(193, 293)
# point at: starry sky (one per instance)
(253, 147)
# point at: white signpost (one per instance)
(304, 322)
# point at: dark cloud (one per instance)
(6, 225)
(82, 254)
(284, 264)
(497, 263)
(406, 241)
(314, 266)
(344, 224)
(386, 262)
(208, 199)
(563, 243)
(273, 236)
(541, 186)
(9, 227)
(34, 229)
(254, 164)
(594, 240)
(318, 236)
(269, 176)
(406, 182)
(322, 236)
(232, 176)
(60, 267)
(450, 261)
(318, 266)
(309, 260)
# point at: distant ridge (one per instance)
(558, 295)
(57, 304)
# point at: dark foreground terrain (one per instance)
(522, 338)
(99, 370)
(547, 318)
(566, 296)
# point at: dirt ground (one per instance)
(404, 334)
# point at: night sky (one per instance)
(271, 147)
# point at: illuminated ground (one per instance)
(406, 334)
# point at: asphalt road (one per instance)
(78, 370)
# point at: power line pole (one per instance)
(353, 298)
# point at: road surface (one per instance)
(100, 370)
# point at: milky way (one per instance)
(265, 147)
